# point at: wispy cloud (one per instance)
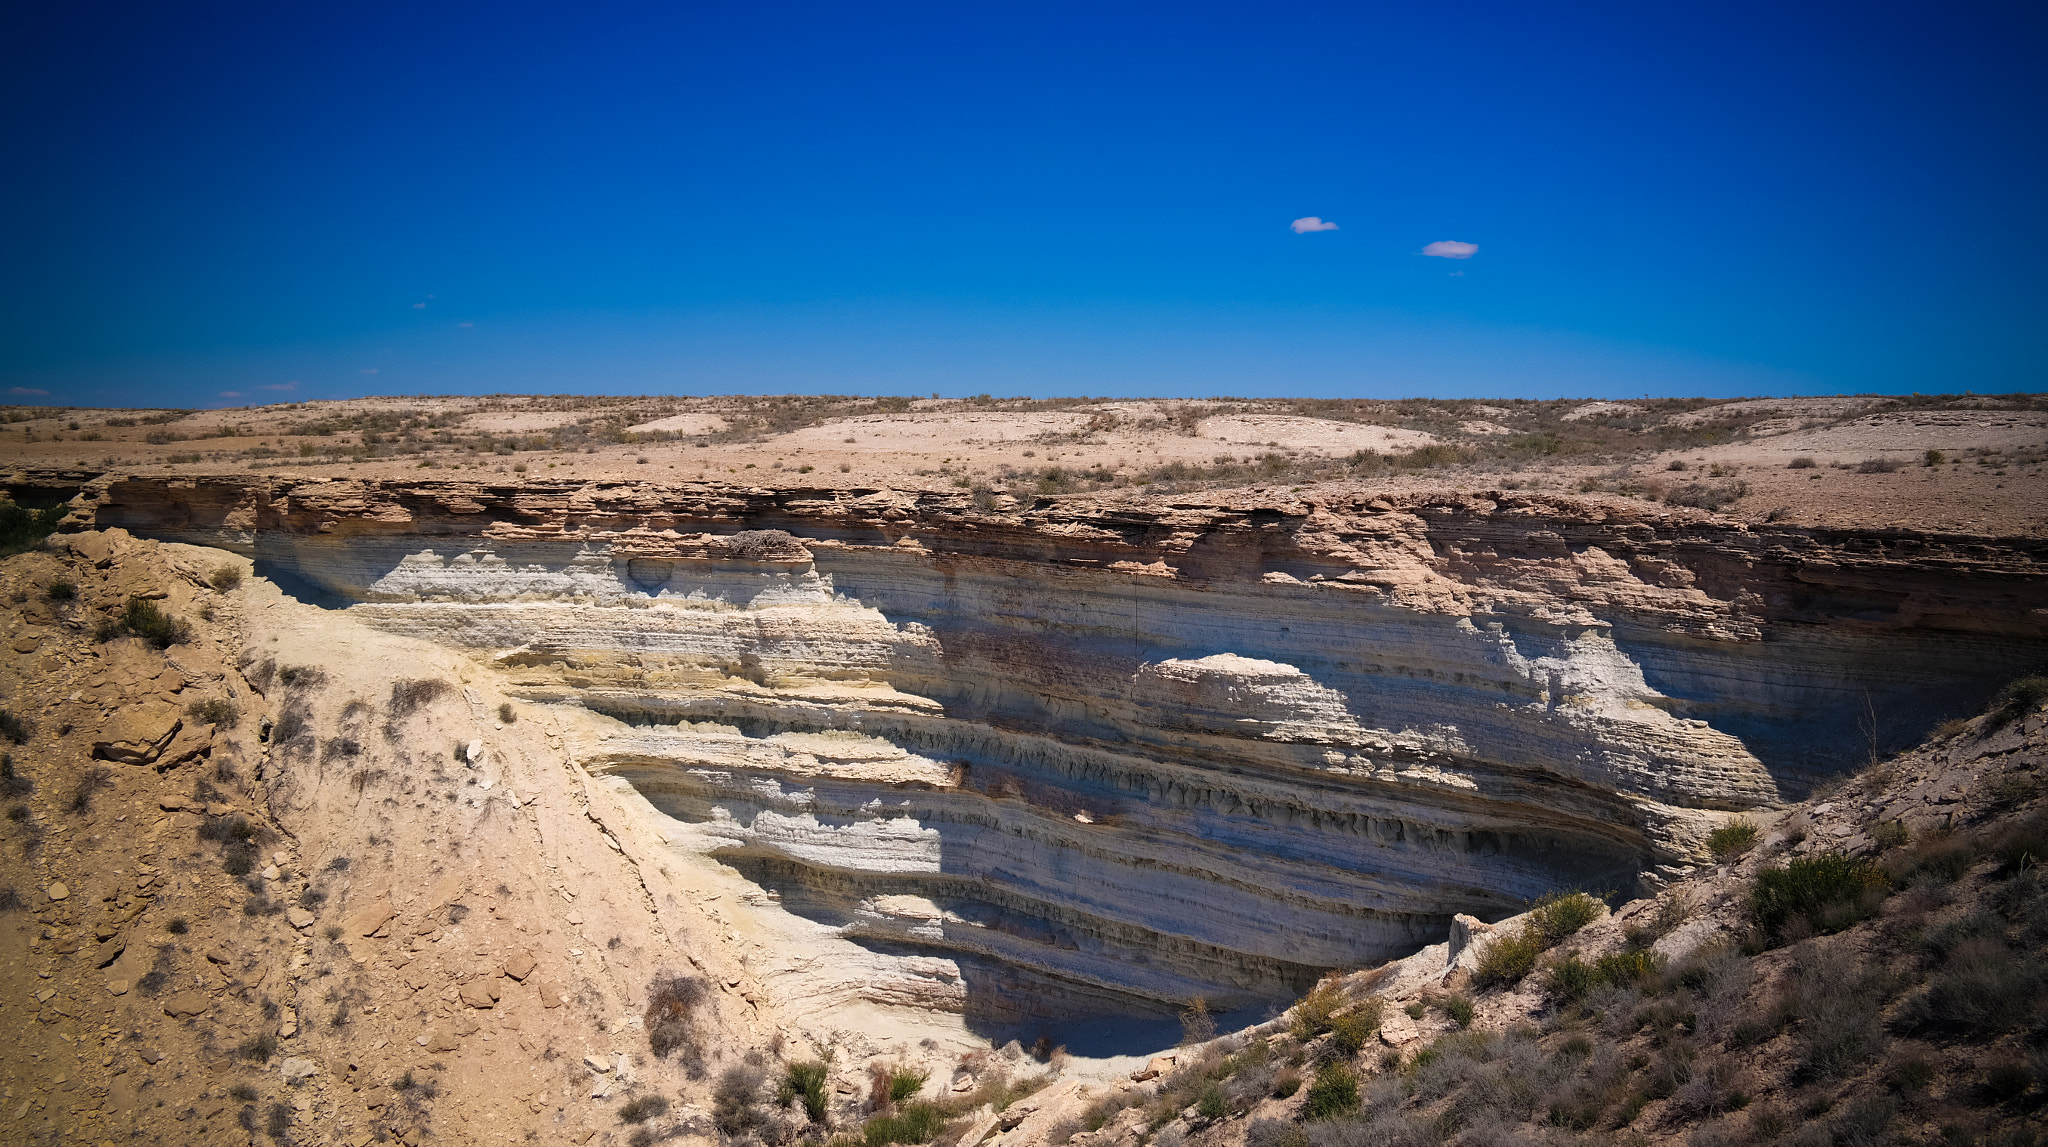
(367, 370)
(465, 324)
(419, 306)
(28, 392)
(279, 386)
(1309, 223)
(230, 394)
(1451, 249)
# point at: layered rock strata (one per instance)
(1091, 756)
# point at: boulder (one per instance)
(296, 1069)
(139, 734)
(519, 965)
(191, 741)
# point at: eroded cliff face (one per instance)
(1086, 757)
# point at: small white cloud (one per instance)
(1308, 223)
(367, 370)
(28, 392)
(419, 306)
(1451, 249)
(231, 394)
(465, 324)
(280, 386)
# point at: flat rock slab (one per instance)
(138, 735)
(188, 1004)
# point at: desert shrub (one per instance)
(806, 1082)
(23, 529)
(1350, 1031)
(257, 1048)
(1508, 958)
(1803, 462)
(225, 578)
(1557, 915)
(2019, 698)
(1334, 1092)
(278, 1123)
(61, 590)
(735, 1101)
(505, 713)
(1824, 893)
(1459, 1008)
(1196, 1024)
(90, 782)
(1877, 466)
(916, 1123)
(1314, 1012)
(1571, 978)
(217, 711)
(145, 619)
(1732, 839)
(1890, 834)
(642, 1109)
(904, 1083)
(15, 729)
(1865, 1121)
(1706, 496)
(1211, 1105)
(2006, 1080)
(1274, 1133)
(409, 694)
(670, 1020)
(1626, 969)
(1286, 1082)
(1839, 1001)
(302, 676)
(1981, 989)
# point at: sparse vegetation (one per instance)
(1732, 839)
(1824, 893)
(225, 578)
(216, 711)
(670, 1020)
(642, 1108)
(145, 619)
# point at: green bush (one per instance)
(1825, 893)
(1557, 915)
(1211, 1105)
(217, 711)
(1352, 1030)
(916, 1123)
(807, 1082)
(145, 619)
(1334, 1093)
(1459, 1008)
(1571, 978)
(1313, 1015)
(1508, 958)
(904, 1083)
(22, 529)
(1628, 968)
(61, 590)
(1732, 839)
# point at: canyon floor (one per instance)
(515, 769)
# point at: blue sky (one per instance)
(270, 201)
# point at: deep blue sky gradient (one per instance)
(1720, 198)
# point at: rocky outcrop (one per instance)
(1141, 751)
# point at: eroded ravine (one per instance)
(1088, 760)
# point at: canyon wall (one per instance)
(1095, 756)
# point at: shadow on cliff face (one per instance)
(287, 580)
